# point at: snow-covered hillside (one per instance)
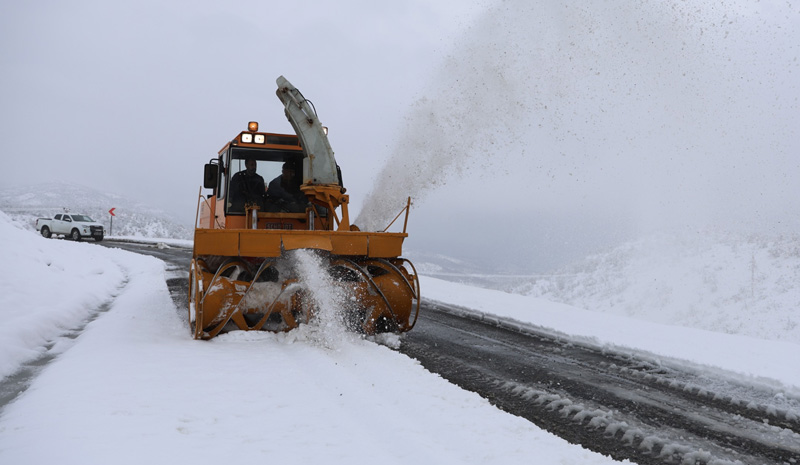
(25, 204)
(440, 265)
(746, 284)
(726, 283)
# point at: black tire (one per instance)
(75, 235)
(46, 232)
(98, 238)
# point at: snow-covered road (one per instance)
(134, 387)
(617, 403)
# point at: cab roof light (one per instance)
(247, 138)
(252, 126)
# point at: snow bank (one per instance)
(725, 283)
(134, 387)
(46, 288)
(763, 361)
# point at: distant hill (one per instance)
(464, 271)
(24, 204)
(433, 264)
(741, 284)
(723, 282)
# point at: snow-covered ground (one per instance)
(134, 387)
(747, 284)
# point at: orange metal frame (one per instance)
(270, 243)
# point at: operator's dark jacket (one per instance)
(246, 188)
(281, 190)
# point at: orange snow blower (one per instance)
(244, 273)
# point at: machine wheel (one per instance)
(75, 235)
(46, 232)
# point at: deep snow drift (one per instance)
(735, 284)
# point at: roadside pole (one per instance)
(111, 226)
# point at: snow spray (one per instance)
(672, 112)
(326, 327)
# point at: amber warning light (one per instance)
(252, 126)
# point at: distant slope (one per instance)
(464, 271)
(24, 204)
(440, 265)
(746, 285)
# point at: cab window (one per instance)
(268, 166)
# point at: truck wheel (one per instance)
(76, 235)
(46, 232)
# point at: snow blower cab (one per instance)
(274, 195)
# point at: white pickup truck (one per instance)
(75, 227)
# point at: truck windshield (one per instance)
(251, 187)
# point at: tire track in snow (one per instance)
(618, 404)
(14, 385)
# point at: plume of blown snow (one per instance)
(669, 112)
(327, 327)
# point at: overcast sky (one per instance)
(136, 96)
(528, 131)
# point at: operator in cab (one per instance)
(284, 194)
(247, 187)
